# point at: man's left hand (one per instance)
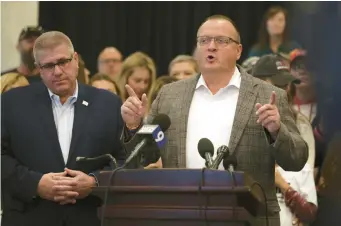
(83, 186)
(268, 116)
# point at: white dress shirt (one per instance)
(303, 183)
(63, 117)
(211, 116)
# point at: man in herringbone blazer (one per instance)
(228, 106)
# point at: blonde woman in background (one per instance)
(183, 66)
(12, 80)
(103, 81)
(139, 72)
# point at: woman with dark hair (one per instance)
(273, 34)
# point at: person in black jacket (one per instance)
(44, 127)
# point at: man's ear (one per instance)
(239, 51)
(76, 58)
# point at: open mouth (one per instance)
(210, 58)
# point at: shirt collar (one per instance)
(74, 96)
(235, 80)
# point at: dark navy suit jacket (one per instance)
(30, 148)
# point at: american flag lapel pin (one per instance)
(85, 103)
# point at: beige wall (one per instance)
(15, 16)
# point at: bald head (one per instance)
(110, 51)
(222, 20)
(109, 61)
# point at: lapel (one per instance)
(44, 106)
(245, 106)
(185, 107)
(80, 114)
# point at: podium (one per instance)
(180, 197)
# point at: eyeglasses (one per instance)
(299, 66)
(219, 40)
(62, 63)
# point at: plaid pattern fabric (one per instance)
(248, 141)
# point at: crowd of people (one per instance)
(272, 92)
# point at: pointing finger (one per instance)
(144, 100)
(130, 91)
(272, 98)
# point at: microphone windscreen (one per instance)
(163, 121)
(224, 149)
(230, 160)
(205, 145)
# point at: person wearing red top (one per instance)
(304, 92)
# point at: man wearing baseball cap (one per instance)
(26, 40)
(273, 68)
(296, 190)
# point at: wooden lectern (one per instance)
(180, 197)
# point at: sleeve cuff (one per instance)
(33, 190)
(279, 139)
(93, 175)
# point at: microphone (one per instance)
(230, 163)
(88, 165)
(154, 133)
(206, 151)
(222, 152)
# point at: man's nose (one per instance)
(57, 70)
(212, 46)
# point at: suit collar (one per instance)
(56, 97)
(235, 80)
(44, 106)
(245, 105)
(82, 106)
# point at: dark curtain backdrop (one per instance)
(160, 29)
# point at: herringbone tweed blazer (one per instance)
(248, 141)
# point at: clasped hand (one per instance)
(65, 189)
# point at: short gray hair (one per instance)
(183, 58)
(50, 40)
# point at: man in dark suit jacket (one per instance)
(45, 126)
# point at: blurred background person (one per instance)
(329, 185)
(110, 62)
(296, 196)
(296, 191)
(273, 34)
(103, 81)
(249, 64)
(272, 69)
(303, 92)
(183, 66)
(26, 40)
(83, 72)
(12, 80)
(139, 72)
